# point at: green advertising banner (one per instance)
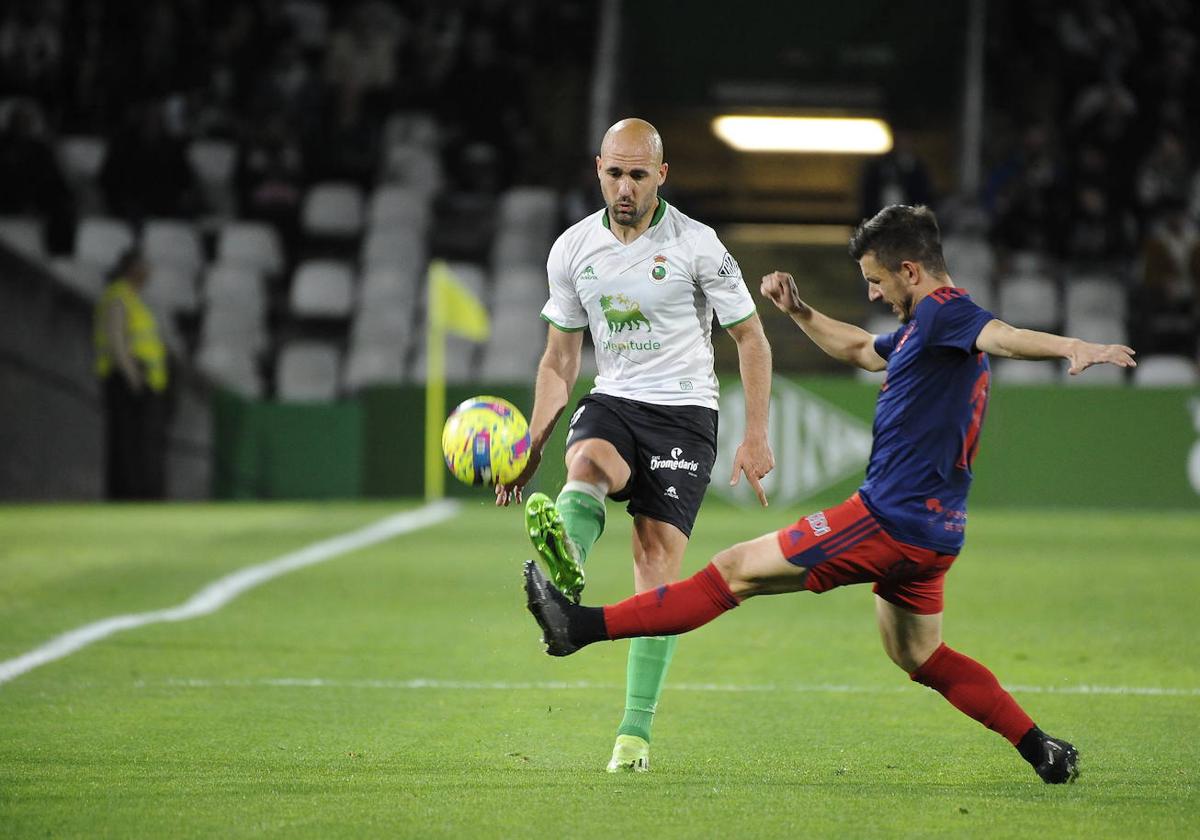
(1041, 446)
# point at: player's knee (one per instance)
(589, 463)
(911, 653)
(733, 565)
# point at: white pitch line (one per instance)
(223, 590)
(501, 685)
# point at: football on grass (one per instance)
(486, 441)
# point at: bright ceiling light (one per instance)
(836, 135)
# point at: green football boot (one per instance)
(631, 754)
(549, 537)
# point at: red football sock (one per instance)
(671, 609)
(974, 690)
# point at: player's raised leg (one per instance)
(757, 567)
(658, 549)
(914, 642)
(563, 531)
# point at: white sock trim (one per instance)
(586, 488)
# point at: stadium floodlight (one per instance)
(835, 135)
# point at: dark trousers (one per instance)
(135, 441)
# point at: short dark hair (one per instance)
(898, 233)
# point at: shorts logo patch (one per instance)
(818, 523)
(670, 491)
(675, 462)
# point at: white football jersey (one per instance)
(648, 304)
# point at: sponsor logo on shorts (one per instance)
(670, 491)
(818, 523)
(675, 462)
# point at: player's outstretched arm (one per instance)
(753, 456)
(557, 372)
(1000, 339)
(845, 342)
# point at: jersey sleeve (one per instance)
(886, 343)
(564, 309)
(720, 278)
(957, 323)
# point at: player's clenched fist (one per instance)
(780, 287)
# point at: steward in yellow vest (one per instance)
(131, 361)
(126, 334)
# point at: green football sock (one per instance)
(649, 658)
(582, 508)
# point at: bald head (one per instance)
(633, 137)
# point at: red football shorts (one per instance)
(845, 545)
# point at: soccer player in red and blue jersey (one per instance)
(904, 527)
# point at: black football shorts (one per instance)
(670, 451)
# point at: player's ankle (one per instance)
(587, 625)
(1030, 746)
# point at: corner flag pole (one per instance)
(435, 385)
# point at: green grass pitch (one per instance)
(400, 691)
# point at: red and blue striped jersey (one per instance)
(927, 422)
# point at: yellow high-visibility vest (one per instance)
(144, 343)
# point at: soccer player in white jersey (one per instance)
(646, 280)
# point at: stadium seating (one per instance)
(462, 359)
(232, 368)
(172, 242)
(172, 288)
(235, 284)
(411, 127)
(515, 345)
(413, 165)
(386, 323)
(971, 262)
(527, 286)
(99, 242)
(322, 289)
(387, 286)
(1029, 301)
(232, 324)
(1095, 296)
(400, 248)
(373, 364)
(333, 209)
(1016, 372)
(307, 371)
(399, 207)
(1160, 371)
(81, 158)
(25, 235)
(251, 244)
(214, 162)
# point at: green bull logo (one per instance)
(628, 317)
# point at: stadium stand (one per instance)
(1158, 371)
(25, 235)
(322, 289)
(307, 371)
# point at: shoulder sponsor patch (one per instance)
(729, 267)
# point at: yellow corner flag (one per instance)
(453, 308)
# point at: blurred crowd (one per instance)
(1093, 132)
(304, 88)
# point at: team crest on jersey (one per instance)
(659, 270)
